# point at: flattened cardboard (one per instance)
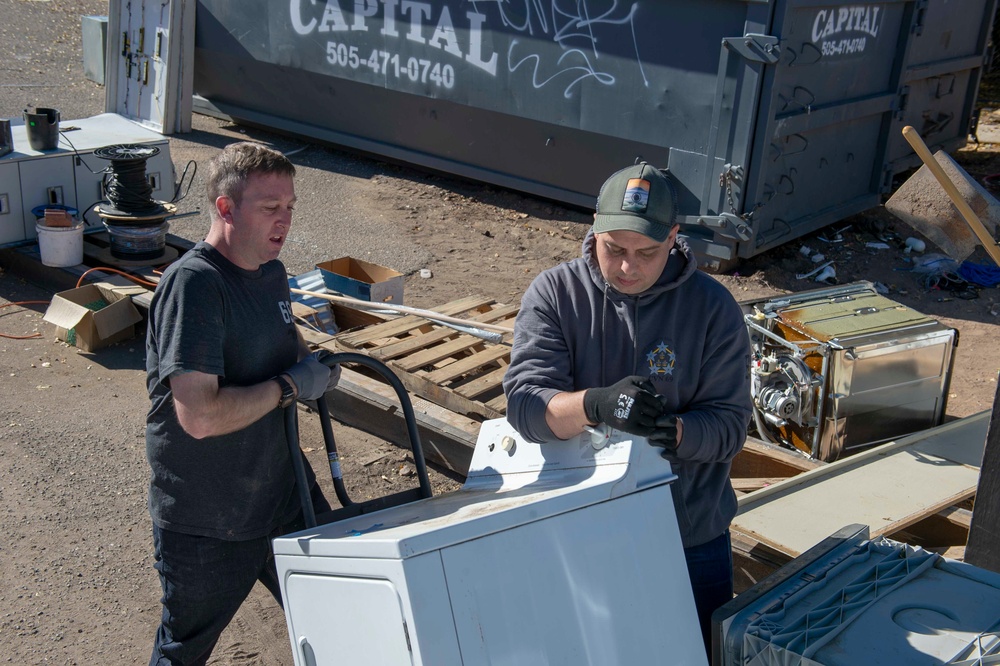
(363, 280)
(92, 330)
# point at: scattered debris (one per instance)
(818, 269)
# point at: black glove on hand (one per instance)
(629, 405)
(665, 434)
(310, 377)
(321, 356)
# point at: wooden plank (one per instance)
(983, 549)
(466, 365)
(432, 355)
(439, 334)
(948, 527)
(446, 397)
(750, 484)
(753, 561)
(888, 487)
(761, 459)
(483, 384)
(410, 322)
(498, 403)
(372, 406)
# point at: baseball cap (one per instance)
(638, 198)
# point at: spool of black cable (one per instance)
(136, 223)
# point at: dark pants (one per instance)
(710, 567)
(205, 581)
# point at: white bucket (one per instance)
(60, 246)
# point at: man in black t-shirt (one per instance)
(223, 356)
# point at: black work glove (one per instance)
(664, 434)
(629, 405)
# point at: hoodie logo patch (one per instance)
(636, 196)
(661, 361)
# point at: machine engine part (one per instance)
(844, 367)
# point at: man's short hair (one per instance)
(229, 171)
(638, 198)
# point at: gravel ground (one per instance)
(76, 578)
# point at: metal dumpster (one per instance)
(776, 117)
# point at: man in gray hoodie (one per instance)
(633, 336)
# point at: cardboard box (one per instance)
(92, 316)
(363, 280)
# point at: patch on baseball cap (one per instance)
(638, 198)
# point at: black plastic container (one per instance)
(42, 127)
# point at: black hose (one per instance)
(292, 435)
(408, 415)
(331, 452)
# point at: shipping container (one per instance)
(775, 117)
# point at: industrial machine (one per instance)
(844, 367)
(563, 553)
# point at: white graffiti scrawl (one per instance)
(570, 24)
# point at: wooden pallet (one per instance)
(455, 370)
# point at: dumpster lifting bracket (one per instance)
(758, 48)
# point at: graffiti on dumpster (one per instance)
(845, 30)
(470, 50)
(572, 27)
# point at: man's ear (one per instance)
(224, 207)
(672, 236)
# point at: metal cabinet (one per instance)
(71, 175)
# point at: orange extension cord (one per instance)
(79, 283)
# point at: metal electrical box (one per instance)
(844, 367)
(776, 117)
(565, 553)
(71, 175)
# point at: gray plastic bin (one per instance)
(853, 601)
(777, 117)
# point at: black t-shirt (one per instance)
(209, 315)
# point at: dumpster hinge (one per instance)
(885, 187)
(758, 48)
(919, 15)
(900, 103)
(725, 224)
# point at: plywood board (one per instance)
(887, 488)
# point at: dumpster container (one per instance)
(776, 117)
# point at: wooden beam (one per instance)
(372, 406)
(750, 484)
(758, 459)
(983, 549)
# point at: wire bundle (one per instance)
(128, 189)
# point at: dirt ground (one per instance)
(75, 552)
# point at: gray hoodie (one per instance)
(686, 333)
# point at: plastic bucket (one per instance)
(60, 246)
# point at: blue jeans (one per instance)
(710, 567)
